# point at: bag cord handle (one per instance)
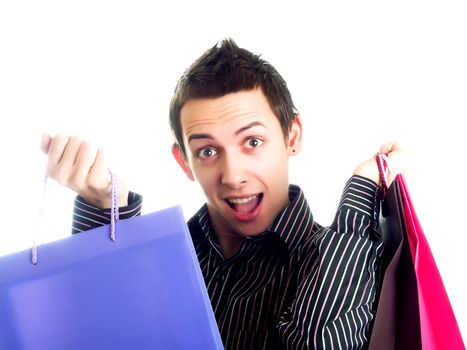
(382, 161)
(114, 214)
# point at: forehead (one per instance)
(229, 111)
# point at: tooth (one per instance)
(242, 200)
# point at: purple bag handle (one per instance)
(113, 213)
(114, 205)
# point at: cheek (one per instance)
(206, 177)
(274, 160)
(275, 168)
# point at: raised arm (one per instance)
(333, 306)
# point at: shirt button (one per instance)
(220, 277)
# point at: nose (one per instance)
(233, 172)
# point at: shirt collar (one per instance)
(290, 224)
(295, 220)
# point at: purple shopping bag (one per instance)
(145, 291)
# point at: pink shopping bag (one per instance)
(413, 310)
(438, 325)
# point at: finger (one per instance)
(99, 177)
(390, 147)
(83, 164)
(386, 148)
(45, 142)
(56, 148)
(395, 147)
(71, 152)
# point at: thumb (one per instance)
(45, 142)
(390, 147)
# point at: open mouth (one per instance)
(245, 205)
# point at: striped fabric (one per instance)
(86, 217)
(296, 286)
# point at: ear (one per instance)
(294, 141)
(180, 158)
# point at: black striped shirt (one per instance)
(296, 286)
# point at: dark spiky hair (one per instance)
(226, 68)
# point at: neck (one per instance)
(229, 245)
(229, 240)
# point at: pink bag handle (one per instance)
(383, 168)
(114, 215)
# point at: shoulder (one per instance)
(198, 224)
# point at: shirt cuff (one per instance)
(360, 195)
(86, 216)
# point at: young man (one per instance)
(276, 278)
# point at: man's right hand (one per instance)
(369, 168)
(77, 164)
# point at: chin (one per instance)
(252, 229)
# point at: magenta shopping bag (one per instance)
(413, 312)
(438, 325)
(145, 291)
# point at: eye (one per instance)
(254, 142)
(207, 152)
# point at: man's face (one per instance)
(237, 151)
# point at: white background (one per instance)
(361, 73)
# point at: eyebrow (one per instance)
(238, 132)
(249, 126)
(199, 136)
